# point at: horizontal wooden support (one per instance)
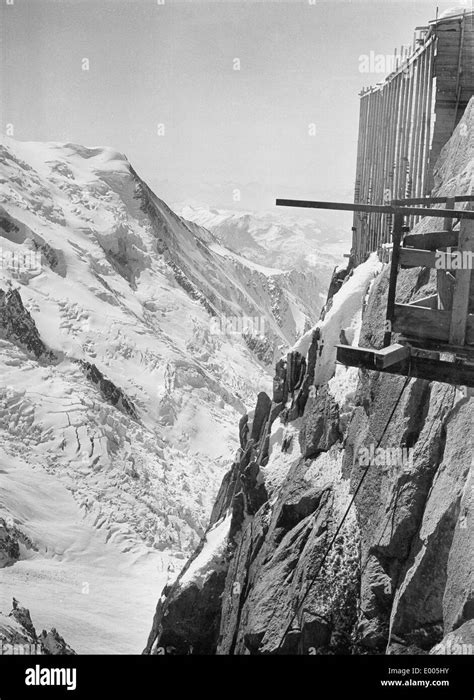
(413, 257)
(432, 240)
(418, 322)
(415, 365)
(426, 345)
(434, 200)
(377, 208)
(391, 355)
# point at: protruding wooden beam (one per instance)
(416, 365)
(376, 208)
(391, 355)
(433, 200)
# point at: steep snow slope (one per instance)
(114, 373)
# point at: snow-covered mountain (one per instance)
(130, 344)
(281, 240)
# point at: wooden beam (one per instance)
(432, 200)
(450, 202)
(416, 365)
(412, 257)
(445, 286)
(376, 208)
(391, 355)
(392, 285)
(432, 240)
(418, 322)
(429, 302)
(438, 260)
(462, 284)
(435, 346)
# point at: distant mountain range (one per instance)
(273, 238)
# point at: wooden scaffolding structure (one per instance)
(405, 121)
(438, 324)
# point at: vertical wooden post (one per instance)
(409, 77)
(401, 136)
(462, 285)
(444, 286)
(427, 180)
(459, 69)
(414, 129)
(388, 91)
(418, 121)
(421, 171)
(392, 285)
(448, 222)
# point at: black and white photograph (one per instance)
(236, 345)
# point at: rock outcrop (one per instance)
(18, 635)
(17, 326)
(111, 393)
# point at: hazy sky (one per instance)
(174, 64)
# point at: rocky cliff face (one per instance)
(303, 556)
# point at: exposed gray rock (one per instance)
(9, 546)
(17, 326)
(320, 428)
(111, 393)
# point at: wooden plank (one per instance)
(377, 208)
(391, 355)
(433, 200)
(413, 257)
(459, 73)
(428, 175)
(355, 357)
(462, 284)
(445, 287)
(418, 322)
(457, 374)
(431, 240)
(433, 346)
(429, 302)
(448, 223)
(392, 285)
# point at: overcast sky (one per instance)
(285, 124)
